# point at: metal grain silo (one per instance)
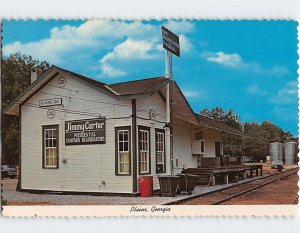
(290, 152)
(276, 153)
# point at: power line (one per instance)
(95, 101)
(86, 113)
(62, 88)
(89, 100)
(73, 112)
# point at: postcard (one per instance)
(177, 117)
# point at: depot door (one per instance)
(218, 149)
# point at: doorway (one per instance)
(218, 149)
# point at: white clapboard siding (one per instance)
(143, 106)
(183, 138)
(210, 137)
(87, 165)
(182, 141)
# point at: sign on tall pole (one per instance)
(171, 44)
(170, 41)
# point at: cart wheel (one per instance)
(190, 192)
(160, 194)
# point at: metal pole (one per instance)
(171, 112)
(168, 112)
(167, 71)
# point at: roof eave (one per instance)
(143, 95)
(188, 104)
(222, 130)
(13, 107)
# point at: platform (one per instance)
(224, 174)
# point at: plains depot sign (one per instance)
(170, 41)
(84, 132)
(50, 102)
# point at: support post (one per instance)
(213, 180)
(261, 171)
(134, 147)
(19, 171)
(169, 131)
(226, 179)
(244, 174)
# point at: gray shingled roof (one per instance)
(142, 86)
(218, 125)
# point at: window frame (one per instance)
(202, 141)
(117, 157)
(144, 129)
(44, 128)
(160, 131)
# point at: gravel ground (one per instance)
(21, 198)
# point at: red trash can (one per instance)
(146, 186)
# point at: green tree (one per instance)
(257, 137)
(228, 117)
(15, 77)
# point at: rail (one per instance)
(280, 176)
(267, 179)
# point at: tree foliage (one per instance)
(257, 137)
(15, 77)
(228, 117)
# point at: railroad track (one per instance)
(229, 193)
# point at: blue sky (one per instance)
(247, 66)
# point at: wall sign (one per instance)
(61, 81)
(152, 114)
(50, 102)
(170, 41)
(50, 113)
(85, 132)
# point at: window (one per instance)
(144, 150)
(160, 150)
(123, 151)
(202, 147)
(50, 146)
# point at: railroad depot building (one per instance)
(81, 135)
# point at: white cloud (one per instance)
(111, 72)
(253, 89)
(232, 60)
(179, 26)
(89, 36)
(287, 95)
(190, 94)
(185, 44)
(236, 62)
(129, 49)
(286, 114)
(110, 40)
(256, 90)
